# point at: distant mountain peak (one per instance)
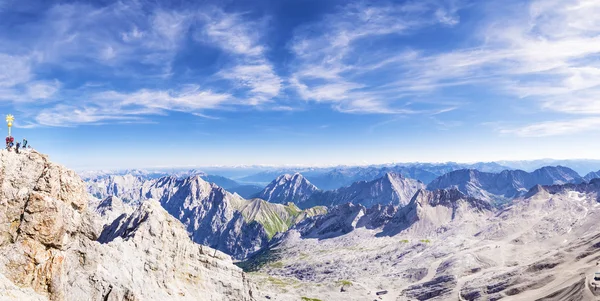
(288, 188)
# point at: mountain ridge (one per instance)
(504, 185)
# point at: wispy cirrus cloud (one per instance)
(542, 51)
(545, 53)
(249, 68)
(356, 59)
(112, 105)
(554, 128)
(333, 65)
(139, 42)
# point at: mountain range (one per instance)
(505, 185)
(443, 245)
(212, 215)
(371, 244)
(337, 177)
(394, 226)
(391, 188)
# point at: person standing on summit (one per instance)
(24, 143)
(18, 145)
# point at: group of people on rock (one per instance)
(10, 143)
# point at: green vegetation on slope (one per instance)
(276, 218)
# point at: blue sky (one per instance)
(123, 84)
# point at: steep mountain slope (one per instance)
(277, 217)
(505, 185)
(210, 214)
(127, 187)
(391, 189)
(48, 245)
(288, 188)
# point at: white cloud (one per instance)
(191, 98)
(138, 42)
(544, 51)
(242, 39)
(260, 78)
(67, 115)
(334, 63)
(554, 128)
(42, 89)
(135, 106)
(232, 33)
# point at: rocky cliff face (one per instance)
(49, 247)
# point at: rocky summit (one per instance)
(54, 249)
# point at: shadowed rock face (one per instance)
(49, 247)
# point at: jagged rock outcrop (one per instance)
(288, 188)
(439, 287)
(504, 185)
(48, 245)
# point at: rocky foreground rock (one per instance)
(51, 249)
